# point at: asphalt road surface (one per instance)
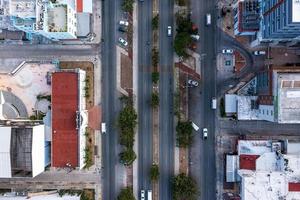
(166, 128)
(110, 101)
(144, 95)
(203, 166)
(45, 51)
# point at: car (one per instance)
(142, 194)
(208, 19)
(193, 83)
(205, 133)
(169, 31)
(195, 37)
(103, 127)
(227, 51)
(122, 29)
(258, 53)
(123, 42)
(123, 23)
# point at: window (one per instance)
(271, 112)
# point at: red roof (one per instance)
(294, 187)
(79, 5)
(248, 162)
(64, 107)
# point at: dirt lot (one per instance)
(126, 73)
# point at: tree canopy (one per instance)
(184, 187)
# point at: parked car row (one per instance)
(123, 25)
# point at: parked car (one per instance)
(195, 37)
(122, 29)
(123, 23)
(214, 103)
(258, 53)
(123, 42)
(193, 83)
(169, 31)
(142, 194)
(205, 133)
(103, 127)
(227, 51)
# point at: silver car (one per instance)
(123, 42)
(142, 194)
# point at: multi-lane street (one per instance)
(202, 154)
(144, 95)
(166, 128)
(110, 101)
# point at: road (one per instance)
(166, 117)
(47, 51)
(202, 153)
(144, 95)
(111, 104)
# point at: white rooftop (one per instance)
(245, 112)
(22, 8)
(43, 197)
(230, 103)
(296, 12)
(5, 166)
(254, 147)
(288, 97)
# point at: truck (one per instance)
(149, 195)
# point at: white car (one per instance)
(123, 23)
(227, 51)
(195, 37)
(205, 133)
(142, 194)
(193, 83)
(258, 53)
(169, 31)
(103, 127)
(123, 42)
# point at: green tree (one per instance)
(155, 77)
(181, 42)
(127, 138)
(184, 133)
(222, 108)
(154, 172)
(154, 99)
(127, 5)
(155, 57)
(127, 157)
(126, 194)
(127, 118)
(184, 23)
(155, 22)
(184, 187)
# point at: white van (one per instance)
(214, 103)
(208, 19)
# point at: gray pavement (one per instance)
(166, 82)
(144, 95)
(111, 104)
(202, 153)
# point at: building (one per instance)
(22, 151)
(69, 118)
(246, 17)
(272, 95)
(279, 23)
(53, 19)
(267, 171)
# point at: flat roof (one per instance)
(288, 97)
(64, 107)
(5, 163)
(248, 161)
(296, 13)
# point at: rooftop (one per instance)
(249, 13)
(57, 18)
(296, 13)
(288, 97)
(64, 107)
(22, 8)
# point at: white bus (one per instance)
(149, 196)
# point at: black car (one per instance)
(122, 29)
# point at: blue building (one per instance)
(280, 23)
